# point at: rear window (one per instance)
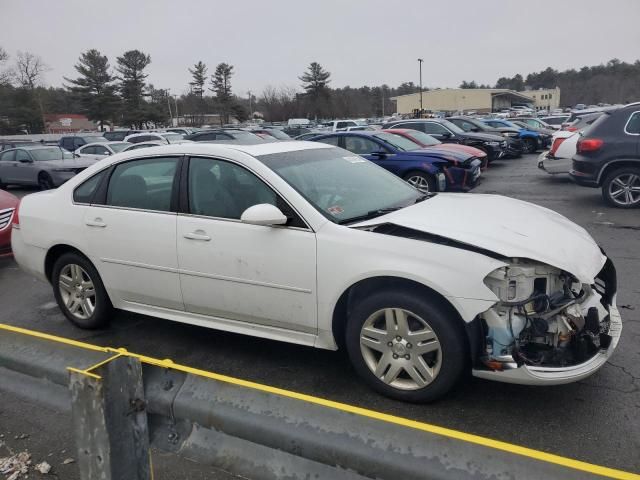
(84, 193)
(594, 125)
(633, 124)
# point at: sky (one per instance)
(361, 42)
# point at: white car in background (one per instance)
(162, 137)
(101, 149)
(564, 144)
(284, 241)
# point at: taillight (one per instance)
(556, 144)
(16, 217)
(570, 129)
(589, 145)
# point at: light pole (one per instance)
(420, 63)
(169, 104)
(250, 109)
(175, 100)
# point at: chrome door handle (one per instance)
(197, 235)
(97, 222)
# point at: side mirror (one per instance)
(263, 214)
(25, 160)
(379, 154)
(446, 135)
(474, 129)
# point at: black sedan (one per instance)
(447, 132)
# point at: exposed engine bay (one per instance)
(545, 317)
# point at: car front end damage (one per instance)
(547, 327)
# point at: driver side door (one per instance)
(238, 274)
(26, 172)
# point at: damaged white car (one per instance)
(307, 243)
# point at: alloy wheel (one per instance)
(419, 182)
(624, 189)
(400, 348)
(44, 182)
(77, 291)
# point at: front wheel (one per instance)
(406, 346)
(529, 145)
(621, 188)
(45, 182)
(422, 181)
(79, 291)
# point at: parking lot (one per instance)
(595, 420)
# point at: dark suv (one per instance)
(608, 156)
(445, 131)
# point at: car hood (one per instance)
(484, 137)
(7, 200)
(456, 147)
(446, 153)
(505, 226)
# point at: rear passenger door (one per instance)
(130, 229)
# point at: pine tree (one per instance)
(199, 73)
(131, 67)
(221, 86)
(95, 87)
(315, 82)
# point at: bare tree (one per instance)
(30, 70)
(5, 74)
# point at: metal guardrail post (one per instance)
(110, 421)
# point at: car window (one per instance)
(22, 156)
(223, 189)
(88, 150)
(68, 143)
(8, 156)
(360, 145)
(432, 127)
(341, 124)
(411, 126)
(466, 126)
(335, 141)
(78, 142)
(633, 124)
(84, 193)
(145, 184)
(100, 150)
(205, 137)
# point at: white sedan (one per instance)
(307, 243)
(101, 149)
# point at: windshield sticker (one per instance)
(354, 159)
(335, 209)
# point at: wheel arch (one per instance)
(56, 252)
(614, 165)
(367, 286)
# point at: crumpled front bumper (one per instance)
(530, 375)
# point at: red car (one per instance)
(8, 204)
(427, 141)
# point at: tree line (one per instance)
(123, 96)
(613, 82)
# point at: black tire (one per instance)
(453, 350)
(103, 308)
(427, 182)
(45, 182)
(529, 145)
(624, 174)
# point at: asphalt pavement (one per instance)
(596, 420)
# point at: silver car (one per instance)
(46, 167)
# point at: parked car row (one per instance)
(601, 150)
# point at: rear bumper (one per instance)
(553, 165)
(529, 375)
(28, 257)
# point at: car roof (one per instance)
(33, 147)
(203, 148)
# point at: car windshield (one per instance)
(451, 126)
(240, 135)
(279, 134)
(53, 153)
(118, 147)
(173, 137)
(339, 184)
(505, 123)
(423, 138)
(398, 141)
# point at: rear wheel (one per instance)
(44, 181)
(529, 145)
(422, 181)
(405, 346)
(79, 291)
(621, 188)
